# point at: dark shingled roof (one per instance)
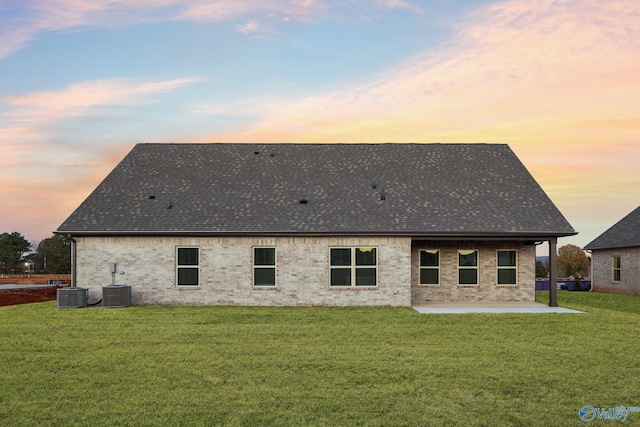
(237, 189)
(625, 233)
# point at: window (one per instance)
(264, 267)
(354, 267)
(467, 267)
(616, 268)
(507, 267)
(188, 266)
(430, 267)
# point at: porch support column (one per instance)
(553, 273)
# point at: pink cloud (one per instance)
(38, 16)
(398, 4)
(249, 27)
(81, 98)
(14, 134)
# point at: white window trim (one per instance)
(353, 267)
(476, 267)
(516, 267)
(178, 266)
(254, 266)
(430, 267)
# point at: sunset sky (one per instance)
(81, 82)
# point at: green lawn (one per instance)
(317, 366)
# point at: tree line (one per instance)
(572, 262)
(51, 255)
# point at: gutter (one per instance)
(418, 235)
(606, 248)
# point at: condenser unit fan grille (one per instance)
(72, 297)
(116, 296)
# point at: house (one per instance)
(315, 224)
(615, 257)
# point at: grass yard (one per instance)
(250, 366)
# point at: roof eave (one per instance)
(413, 233)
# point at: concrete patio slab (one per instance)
(480, 307)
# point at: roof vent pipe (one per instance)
(382, 195)
(303, 201)
(374, 185)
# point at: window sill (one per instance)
(429, 285)
(354, 288)
(468, 286)
(188, 287)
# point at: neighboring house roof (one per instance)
(237, 189)
(624, 233)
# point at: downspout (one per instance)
(591, 270)
(73, 261)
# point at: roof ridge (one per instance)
(322, 143)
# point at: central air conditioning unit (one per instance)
(116, 296)
(72, 297)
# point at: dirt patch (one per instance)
(26, 295)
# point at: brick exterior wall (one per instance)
(302, 271)
(602, 271)
(487, 290)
